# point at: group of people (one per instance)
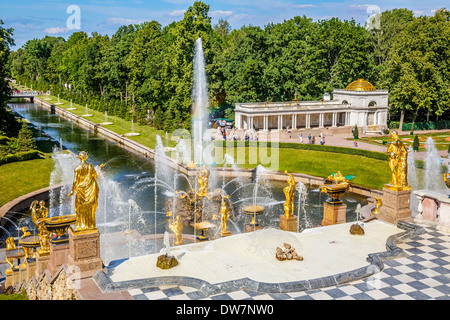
(312, 139)
(226, 133)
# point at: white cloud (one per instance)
(124, 21)
(177, 13)
(304, 6)
(220, 13)
(56, 30)
(360, 6)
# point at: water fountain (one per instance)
(434, 181)
(71, 106)
(58, 103)
(86, 112)
(200, 106)
(106, 122)
(132, 133)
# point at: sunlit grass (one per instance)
(120, 126)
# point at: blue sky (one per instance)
(36, 19)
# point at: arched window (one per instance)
(372, 104)
(345, 102)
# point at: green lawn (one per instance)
(441, 140)
(22, 177)
(120, 126)
(19, 178)
(369, 172)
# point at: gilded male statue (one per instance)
(177, 228)
(398, 157)
(289, 192)
(202, 178)
(38, 215)
(224, 215)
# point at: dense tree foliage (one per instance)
(8, 124)
(145, 71)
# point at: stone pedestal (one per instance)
(84, 252)
(334, 214)
(252, 227)
(289, 224)
(9, 281)
(22, 273)
(396, 205)
(225, 234)
(59, 254)
(42, 262)
(31, 270)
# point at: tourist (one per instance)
(313, 140)
(301, 137)
(355, 144)
(309, 138)
(442, 160)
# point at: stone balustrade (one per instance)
(433, 209)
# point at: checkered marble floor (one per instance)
(423, 275)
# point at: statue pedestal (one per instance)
(248, 227)
(334, 213)
(396, 204)
(288, 224)
(10, 279)
(84, 251)
(58, 256)
(225, 234)
(31, 270)
(42, 262)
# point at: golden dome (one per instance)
(360, 85)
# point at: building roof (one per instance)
(360, 85)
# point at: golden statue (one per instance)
(38, 215)
(224, 215)
(86, 188)
(378, 205)
(177, 228)
(398, 156)
(337, 178)
(289, 192)
(10, 245)
(202, 178)
(446, 177)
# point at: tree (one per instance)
(418, 72)
(416, 143)
(25, 138)
(8, 124)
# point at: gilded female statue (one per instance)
(86, 188)
(397, 157)
(289, 192)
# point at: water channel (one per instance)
(128, 198)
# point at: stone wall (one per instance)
(60, 286)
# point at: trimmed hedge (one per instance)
(305, 146)
(431, 125)
(19, 156)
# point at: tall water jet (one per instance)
(302, 192)
(412, 180)
(433, 176)
(200, 103)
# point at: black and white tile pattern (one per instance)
(423, 275)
